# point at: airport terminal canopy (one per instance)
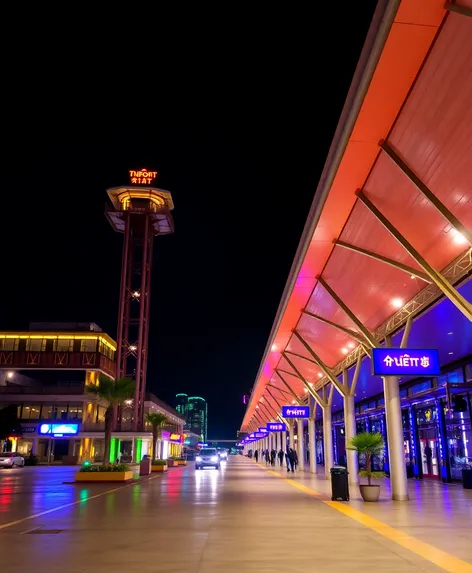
(390, 228)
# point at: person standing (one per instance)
(281, 457)
(256, 455)
(273, 455)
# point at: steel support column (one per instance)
(396, 448)
(327, 431)
(444, 285)
(300, 445)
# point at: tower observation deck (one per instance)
(140, 212)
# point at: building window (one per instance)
(61, 412)
(64, 345)
(88, 345)
(36, 345)
(75, 411)
(421, 387)
(31, 412)
(9, 343)
(454, 377)
(47, 412)
(106, 350)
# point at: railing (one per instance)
(45, 390)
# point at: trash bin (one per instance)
(339, 484)
(145, 467)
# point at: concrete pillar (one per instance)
(393, 415)
(312, 442)
(291, 441)
(328, 440)
(350, 432)
(34, 446)
(301, 445)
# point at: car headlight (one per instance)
(214, 458)
(198, 459)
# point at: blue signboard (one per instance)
(276, 427)
(263, 430)
(251, 435)
(259, 435)
(296, 411)
(405, 362)
(202, 445)
(59, 430)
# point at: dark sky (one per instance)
(239, 131)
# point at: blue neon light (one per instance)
(259, 435)
(296, 411)
(59, 429)
(405, 362)
(263, 430)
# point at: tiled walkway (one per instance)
(243, 518)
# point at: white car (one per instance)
(10, 459)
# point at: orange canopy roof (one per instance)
(412, 89)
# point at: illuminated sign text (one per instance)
(405, 362)
(144, 177)
(59, 429)
(276, 427)
(296, 411)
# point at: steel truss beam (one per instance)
(287, 385)
(426, 191)
(369, 337)
(454, 272)
(446, 287)
(347, 331)
(462, 10)
(406, 268)
(300, 356)
(323, 367)
(283, 392)
(307, 385)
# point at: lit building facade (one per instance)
(44, 373)
(182, 404)
(197, 416)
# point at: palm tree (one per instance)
(158, 421)
(113, 393)
(368, 445)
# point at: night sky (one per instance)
(239, 136)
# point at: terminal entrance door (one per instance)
(429, 453)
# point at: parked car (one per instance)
(207, 457)
(10, 459)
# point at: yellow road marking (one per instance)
(437, 556)
(72, 503)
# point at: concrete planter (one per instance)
(171, 463)
(158, 468)
(370, 492)
(181, 462)
(84, 477)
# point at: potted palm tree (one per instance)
(157, 421)
(113, 393)
(368, 445)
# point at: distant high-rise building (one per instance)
(195, 411)
(182, 404)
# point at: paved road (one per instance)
(242, 518)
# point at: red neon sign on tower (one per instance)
(140, 213)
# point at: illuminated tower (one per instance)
(140, 212)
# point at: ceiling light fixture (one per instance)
(344, 350)
(397, 302)
(458, 238)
